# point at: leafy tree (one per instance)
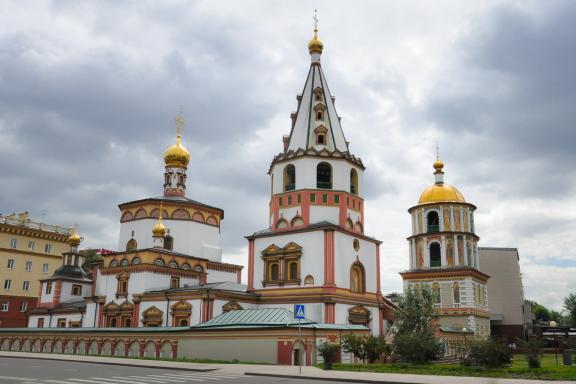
(491, 353)
(415, 312)
(90, 257)
(366, 348)
(570, 307)
(328, 352)
(541, 313)
(415, 340)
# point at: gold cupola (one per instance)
(74, 240)
(159, 229)
(440, 192)
(177, 155)
(315, 45)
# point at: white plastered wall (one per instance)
(345, 256)
(342, 316)
(66, 292)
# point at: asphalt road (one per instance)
(37, 371)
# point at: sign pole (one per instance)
(300, 358)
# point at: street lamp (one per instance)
(553, 325)
(465, 330)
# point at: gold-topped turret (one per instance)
(440, 192)
(74, 240)
(315, 45)
(159, 229)
(177, 155)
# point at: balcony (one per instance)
(433, 228)
(323, 185)
(289, 187)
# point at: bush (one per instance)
(328, 352)
(533, 351)
(416, 348)
(491, 353)
(366, 348)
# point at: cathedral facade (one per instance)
(168, 270)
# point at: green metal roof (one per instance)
(81, 330)
(270, 317)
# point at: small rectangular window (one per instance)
(13, 243)
(48, 288)
(23, 306)
(324, 198)
(31, 245)
(336, 199)
(10, 263)
(45, 268)
(40, 323)
(299, 199)
(28, 266)
(312, 198)
(61, 323)
(4, 306)
(280, 201)
(47, 248)
(7, 284)
(76, 290)
(289, 200)
(26, 286)
(174, 282)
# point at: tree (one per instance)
(328, 352)
(90, 257)
(541, 313)
(415, 340)
(570, 307)
(366, 348)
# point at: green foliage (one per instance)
(415, 312)
(90, 257)
(533, 350)
(414, 340)
(491, 353)
(416, 348)
(541, 313)
(366, 348)
(328, 352)
(570, 307)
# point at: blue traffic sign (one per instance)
(299, 311)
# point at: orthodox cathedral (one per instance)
(169, 272)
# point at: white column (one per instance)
(456, 252)
(411, 253)
(426, 253)
(452, 218)
(443, 251)
(461, 219)
(441, 218)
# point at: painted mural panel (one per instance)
(447, 219)
(449, 252)
(457, 225)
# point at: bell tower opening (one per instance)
(324, 176)
(435, 256)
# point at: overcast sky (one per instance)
(89, 91)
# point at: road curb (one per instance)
(126, 364)
(334, 379)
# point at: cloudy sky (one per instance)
(89, 91)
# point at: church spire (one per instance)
(316, 123)
(176, 159)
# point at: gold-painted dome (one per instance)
(159, 229)
(74, 239)
(440, 193)
(315, 45)
(177, 155)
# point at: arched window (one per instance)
(433, 221)
(124, 263)
(353, 182)
(456, 292)
(281, 224)
(274, 272)
(297, 221)
(168, 242)
(358, 227)
(136, 261)
(435, 257)
(349, 224)
(309, 280)
(292, 270)
(160, 263)
(324, 176)
(131, 245)
(185, 266)
(357, 278)
(289, 178)
(113, 264)
(173, 264)
(320, 139)
(436, 293)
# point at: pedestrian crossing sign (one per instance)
(299, 311)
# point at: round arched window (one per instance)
(356, 244)
(173, 264)
(113, 264)
(198, 268)
(160, 263)
(185, 266)
(136, 261)
(124, 263)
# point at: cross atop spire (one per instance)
(315, 18)
(180, 125)
(315, 46)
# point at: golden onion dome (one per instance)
(315, 45)
(177, 155)
(438, 165)
(441, 193)
(74, 239)
(159, 229)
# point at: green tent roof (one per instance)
(271, 317)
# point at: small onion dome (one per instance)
(159, 229)
(438, 165)
(315, 45)
(74, 239)
(441, 193)
(177, 155)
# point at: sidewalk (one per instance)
(310, 373)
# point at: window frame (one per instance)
(28, 266)
(45, 267)
(8, 284)
(5, 306)
(76, 287)
(26, 285)
(47, 248)
(11, 264)
(23, 306)
(13, 243)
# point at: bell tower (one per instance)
(176, 159)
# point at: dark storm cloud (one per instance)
(509, 103)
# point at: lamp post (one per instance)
(465, 330)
